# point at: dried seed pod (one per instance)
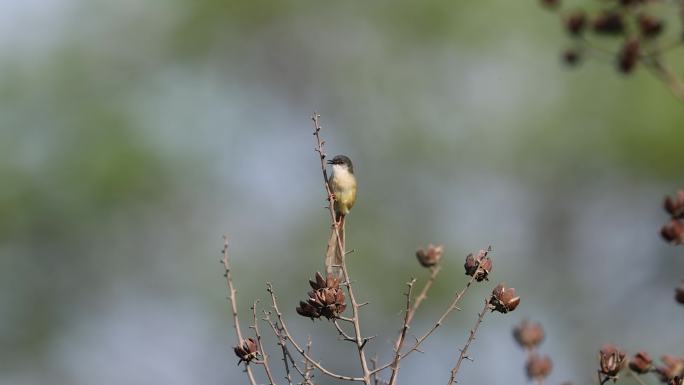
(649, 26)
(629, 56)
(479, 266)
(325, 300)
(609, 23)
(576, 22)
(674, 367)
(611, 360)
(627, 3)
(572, 57)
(679, 293)
(504, 299)
(675, 206)
(430, 256)
(552, 4)
(538, 367)
(306, 310)
(673, 232)
(246, 350)
(641, 363)
(528, 335)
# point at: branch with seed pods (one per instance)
(642, 36)
(328, 300)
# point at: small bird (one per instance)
(342, 184)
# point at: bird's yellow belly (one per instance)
(344, 189)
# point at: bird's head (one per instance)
(343, 162)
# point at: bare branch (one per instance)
(423, 293)
(225, 261)
(282, 341)
(402, 334)
(257, 333)
(411, 312)
(471, 338)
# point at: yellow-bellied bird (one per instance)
(342, 184)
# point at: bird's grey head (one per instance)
(342, 160)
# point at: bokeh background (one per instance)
(134, 134)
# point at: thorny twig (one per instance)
(471, 338)
(402, 334)
(282, 341)
(225, 261)
(257, 333)
(411, 312)
(423, 293)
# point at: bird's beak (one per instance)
(329, 161)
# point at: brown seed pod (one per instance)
(528, 334)
(504, 299)
(611, 360)
(247, 350)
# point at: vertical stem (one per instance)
(360, 342)
(423, 293)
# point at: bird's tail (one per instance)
(333, 254)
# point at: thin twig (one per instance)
(374, 365)
(345, 336)
(282, 341)
(402, 334)
(283, 347)
(418, 301)
(471, 338)
(301, 351)
(264, 361)
(308, 368)
(665, 74)
(225, 261)
(453, 306)
(635, 377)
(360, 342)
(423, 293)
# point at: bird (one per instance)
(342, 184)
